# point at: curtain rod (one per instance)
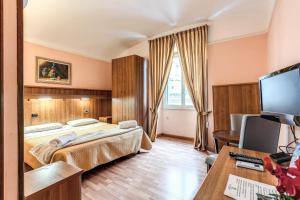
(178, 30)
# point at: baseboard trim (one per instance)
(175, 136)
(209, 148)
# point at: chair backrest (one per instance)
(259, 134)
(236, 122)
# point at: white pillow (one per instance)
(82, 122)
(128, 124)
(42, 127)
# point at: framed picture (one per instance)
(53, 71)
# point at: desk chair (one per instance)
(236, 122)
(235, 125)
(259, 134)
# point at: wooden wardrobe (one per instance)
(129, 90)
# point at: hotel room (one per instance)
(149, 100)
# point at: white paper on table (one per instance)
(245, 189)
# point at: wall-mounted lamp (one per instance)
(85, 98)
(45, 98)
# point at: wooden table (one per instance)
(215, 182)
(57, 181)
(225, 136)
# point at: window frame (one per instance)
(183, 106)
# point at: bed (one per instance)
(92, 153)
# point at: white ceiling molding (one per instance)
(238, 37)
(103, 29)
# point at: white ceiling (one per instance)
(104, 28)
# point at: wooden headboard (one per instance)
(235, 98)
(46, 104)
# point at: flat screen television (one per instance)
(280, 95)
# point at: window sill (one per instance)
(178, 108)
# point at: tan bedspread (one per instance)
(91, 154)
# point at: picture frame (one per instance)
(53, 71)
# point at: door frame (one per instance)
(20, 99)
(1, 106)
(20, 107)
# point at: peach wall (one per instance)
(10, 101)
(87, 73)
(237, 61)
(284, 41)
(234, 61)
(284, 35)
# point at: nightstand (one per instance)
(59, 181)
(106, 119)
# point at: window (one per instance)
(176, 93)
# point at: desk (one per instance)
(215, 182)
(226, 136)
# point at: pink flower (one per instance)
(279, 171)
(268, 164)
(297, 163)
(280, 189)
(287, 184)
(294, 171)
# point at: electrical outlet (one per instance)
(207, 124)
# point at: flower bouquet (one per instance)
(288, 181)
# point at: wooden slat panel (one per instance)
(250, 99)
(114, 91)
(66, 104)
(221, 108)
(117, 71)
(235, 98)
(35, 91)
